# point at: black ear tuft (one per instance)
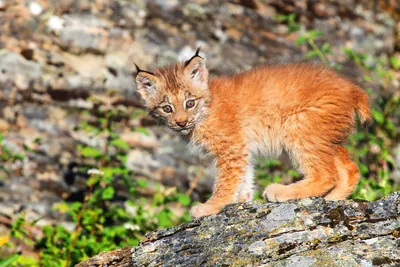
(197, 51)
(137, 68)
(195, 55)
(140, 70)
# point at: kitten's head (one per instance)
(177, 94)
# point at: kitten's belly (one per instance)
(265, 142)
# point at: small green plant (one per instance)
(307, 37)
(7, 156)
(290, 20)
(270, 171)
(369, 147)
(105, 219)
(372, 189)
(8, 261)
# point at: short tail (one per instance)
(362, 105)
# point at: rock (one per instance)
(167, 5)
(310, 232)
(119, 257)
(4, 125)
(396, 171)
(35, 8)
(131, 14)
(89, 33)
(194, 10)
(138, 139)
(16, 68)
(55, 23)
(84, 33)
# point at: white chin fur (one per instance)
(185, 132)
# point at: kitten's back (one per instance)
(283, 84)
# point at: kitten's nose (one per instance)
(181, 123)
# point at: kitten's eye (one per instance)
(167, 109)
(190, 103)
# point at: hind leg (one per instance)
(320, 176)
(246, 190)
(349, 176)
(311, 136)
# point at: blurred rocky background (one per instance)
(68, 103)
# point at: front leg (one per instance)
(231, 165)
(246, 190)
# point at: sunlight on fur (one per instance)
(306, 110)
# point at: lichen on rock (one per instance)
(309, 232)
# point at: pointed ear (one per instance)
(146, 83)
(195, 69)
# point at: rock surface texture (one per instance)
(309, 232)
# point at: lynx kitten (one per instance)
(303, 109)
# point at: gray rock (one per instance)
(367, 237)
(16, 68)
(167, 4)
(257, 247)
(300, 261)
(122, 80)
(87, 33)
(132, 14)
(173, 163)
(396, 172)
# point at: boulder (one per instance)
(308, 232)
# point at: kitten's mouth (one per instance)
(184, 130)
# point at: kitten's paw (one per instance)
(205, 209)
(276, 193)
(246, 196)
